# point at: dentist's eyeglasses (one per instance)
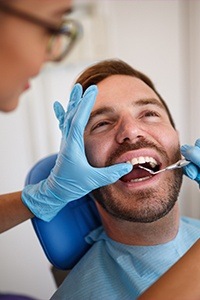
(63, 38)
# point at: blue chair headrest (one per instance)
(63, 238)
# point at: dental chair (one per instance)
(63, 238)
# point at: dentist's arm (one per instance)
(181, 281)
(12, 211)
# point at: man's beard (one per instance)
(143, 205)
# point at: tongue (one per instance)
(135, 173)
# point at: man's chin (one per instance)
(141, 206)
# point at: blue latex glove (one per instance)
(192, 153)
(72, 176)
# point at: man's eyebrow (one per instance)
(110, 110)
(146, 101)
(101, 111)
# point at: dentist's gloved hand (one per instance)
(192, 153)
(72, 176)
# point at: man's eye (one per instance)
(100, 125)
(151, 114)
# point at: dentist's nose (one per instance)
(129, 130)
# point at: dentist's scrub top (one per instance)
(111, 270)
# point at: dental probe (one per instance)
(179, 164)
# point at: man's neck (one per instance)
(142, 234)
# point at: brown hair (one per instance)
(106, 68)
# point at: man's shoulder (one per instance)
(191, 221)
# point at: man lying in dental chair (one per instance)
(143, 234)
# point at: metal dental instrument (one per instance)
(179, 164)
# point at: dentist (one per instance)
(30, 38)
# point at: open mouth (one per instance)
(138, 174)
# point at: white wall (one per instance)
(160, 38)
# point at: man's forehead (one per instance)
(122, 86)
(120, 89)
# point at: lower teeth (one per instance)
(140, 179)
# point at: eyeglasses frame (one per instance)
(53, 29)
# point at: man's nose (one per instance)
(129, 130)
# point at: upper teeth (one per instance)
(143, 160)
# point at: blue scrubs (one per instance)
(112, 270)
